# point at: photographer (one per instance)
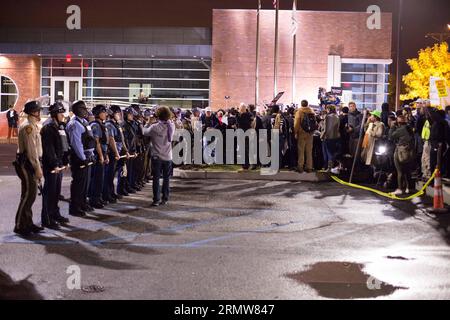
(403, 136)
(161, 134)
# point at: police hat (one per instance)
(136, 108)
(56, 108)
(130, 110)
(147, 113)
(115, 109)
(31, 107)
(98, 109)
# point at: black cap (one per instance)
(98, 109)
(56, 108)
(115, 109)
(130, 110)
(31, 107)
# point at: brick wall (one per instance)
(319, 35)
(25, 72)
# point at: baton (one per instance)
(88, 165)
(59, 169)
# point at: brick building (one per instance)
(196, 66)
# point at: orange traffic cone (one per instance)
(438, 199)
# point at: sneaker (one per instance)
(397, 192)
(155, 204)
(407, 191)
(335, 170)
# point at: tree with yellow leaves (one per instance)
(432, 62)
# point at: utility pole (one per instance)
(399, 34)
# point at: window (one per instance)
(175, 82)
(8, 93)
(367, 81)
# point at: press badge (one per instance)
(62, 133)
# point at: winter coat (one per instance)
(374, 132)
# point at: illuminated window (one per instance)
(174, 82)
(367, 81)
(8, 93)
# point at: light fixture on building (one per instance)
(110, 55)
(195, 56)
(39, 54)
(68, 58)
(80, 55)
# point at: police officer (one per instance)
(138, 181)
(116, 149)
(126, 172)
(28, 168)
(101, 136)
(55, 149)
(82, 144)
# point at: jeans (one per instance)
(158, 167)
(330, 150)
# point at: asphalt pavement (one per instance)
(231, 239)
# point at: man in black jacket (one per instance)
(55, 149)
(354, 121)
(13, 121)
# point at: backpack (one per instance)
(309, 123)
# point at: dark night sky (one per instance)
(419, 16)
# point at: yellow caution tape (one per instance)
(385, 194)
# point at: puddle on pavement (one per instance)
(343, 280)
(20, 290)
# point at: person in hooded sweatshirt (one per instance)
(161, 134)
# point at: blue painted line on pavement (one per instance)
(13, 238)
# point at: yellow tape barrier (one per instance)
(385, 194)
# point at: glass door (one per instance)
(66, 89)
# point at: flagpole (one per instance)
(257, 54)
(294, 53)
(275, 67)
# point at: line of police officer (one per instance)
(95, 151)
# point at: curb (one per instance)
(227, 175)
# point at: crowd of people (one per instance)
(107, 151)
(113, 151)
(392, 149)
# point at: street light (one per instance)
(440, 36)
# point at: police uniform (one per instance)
(28, 168)
(126, 172)
(116, 138)
(136, 181)
(55, 148)
(82, 144)
(100, 132)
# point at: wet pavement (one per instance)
(232, 240)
